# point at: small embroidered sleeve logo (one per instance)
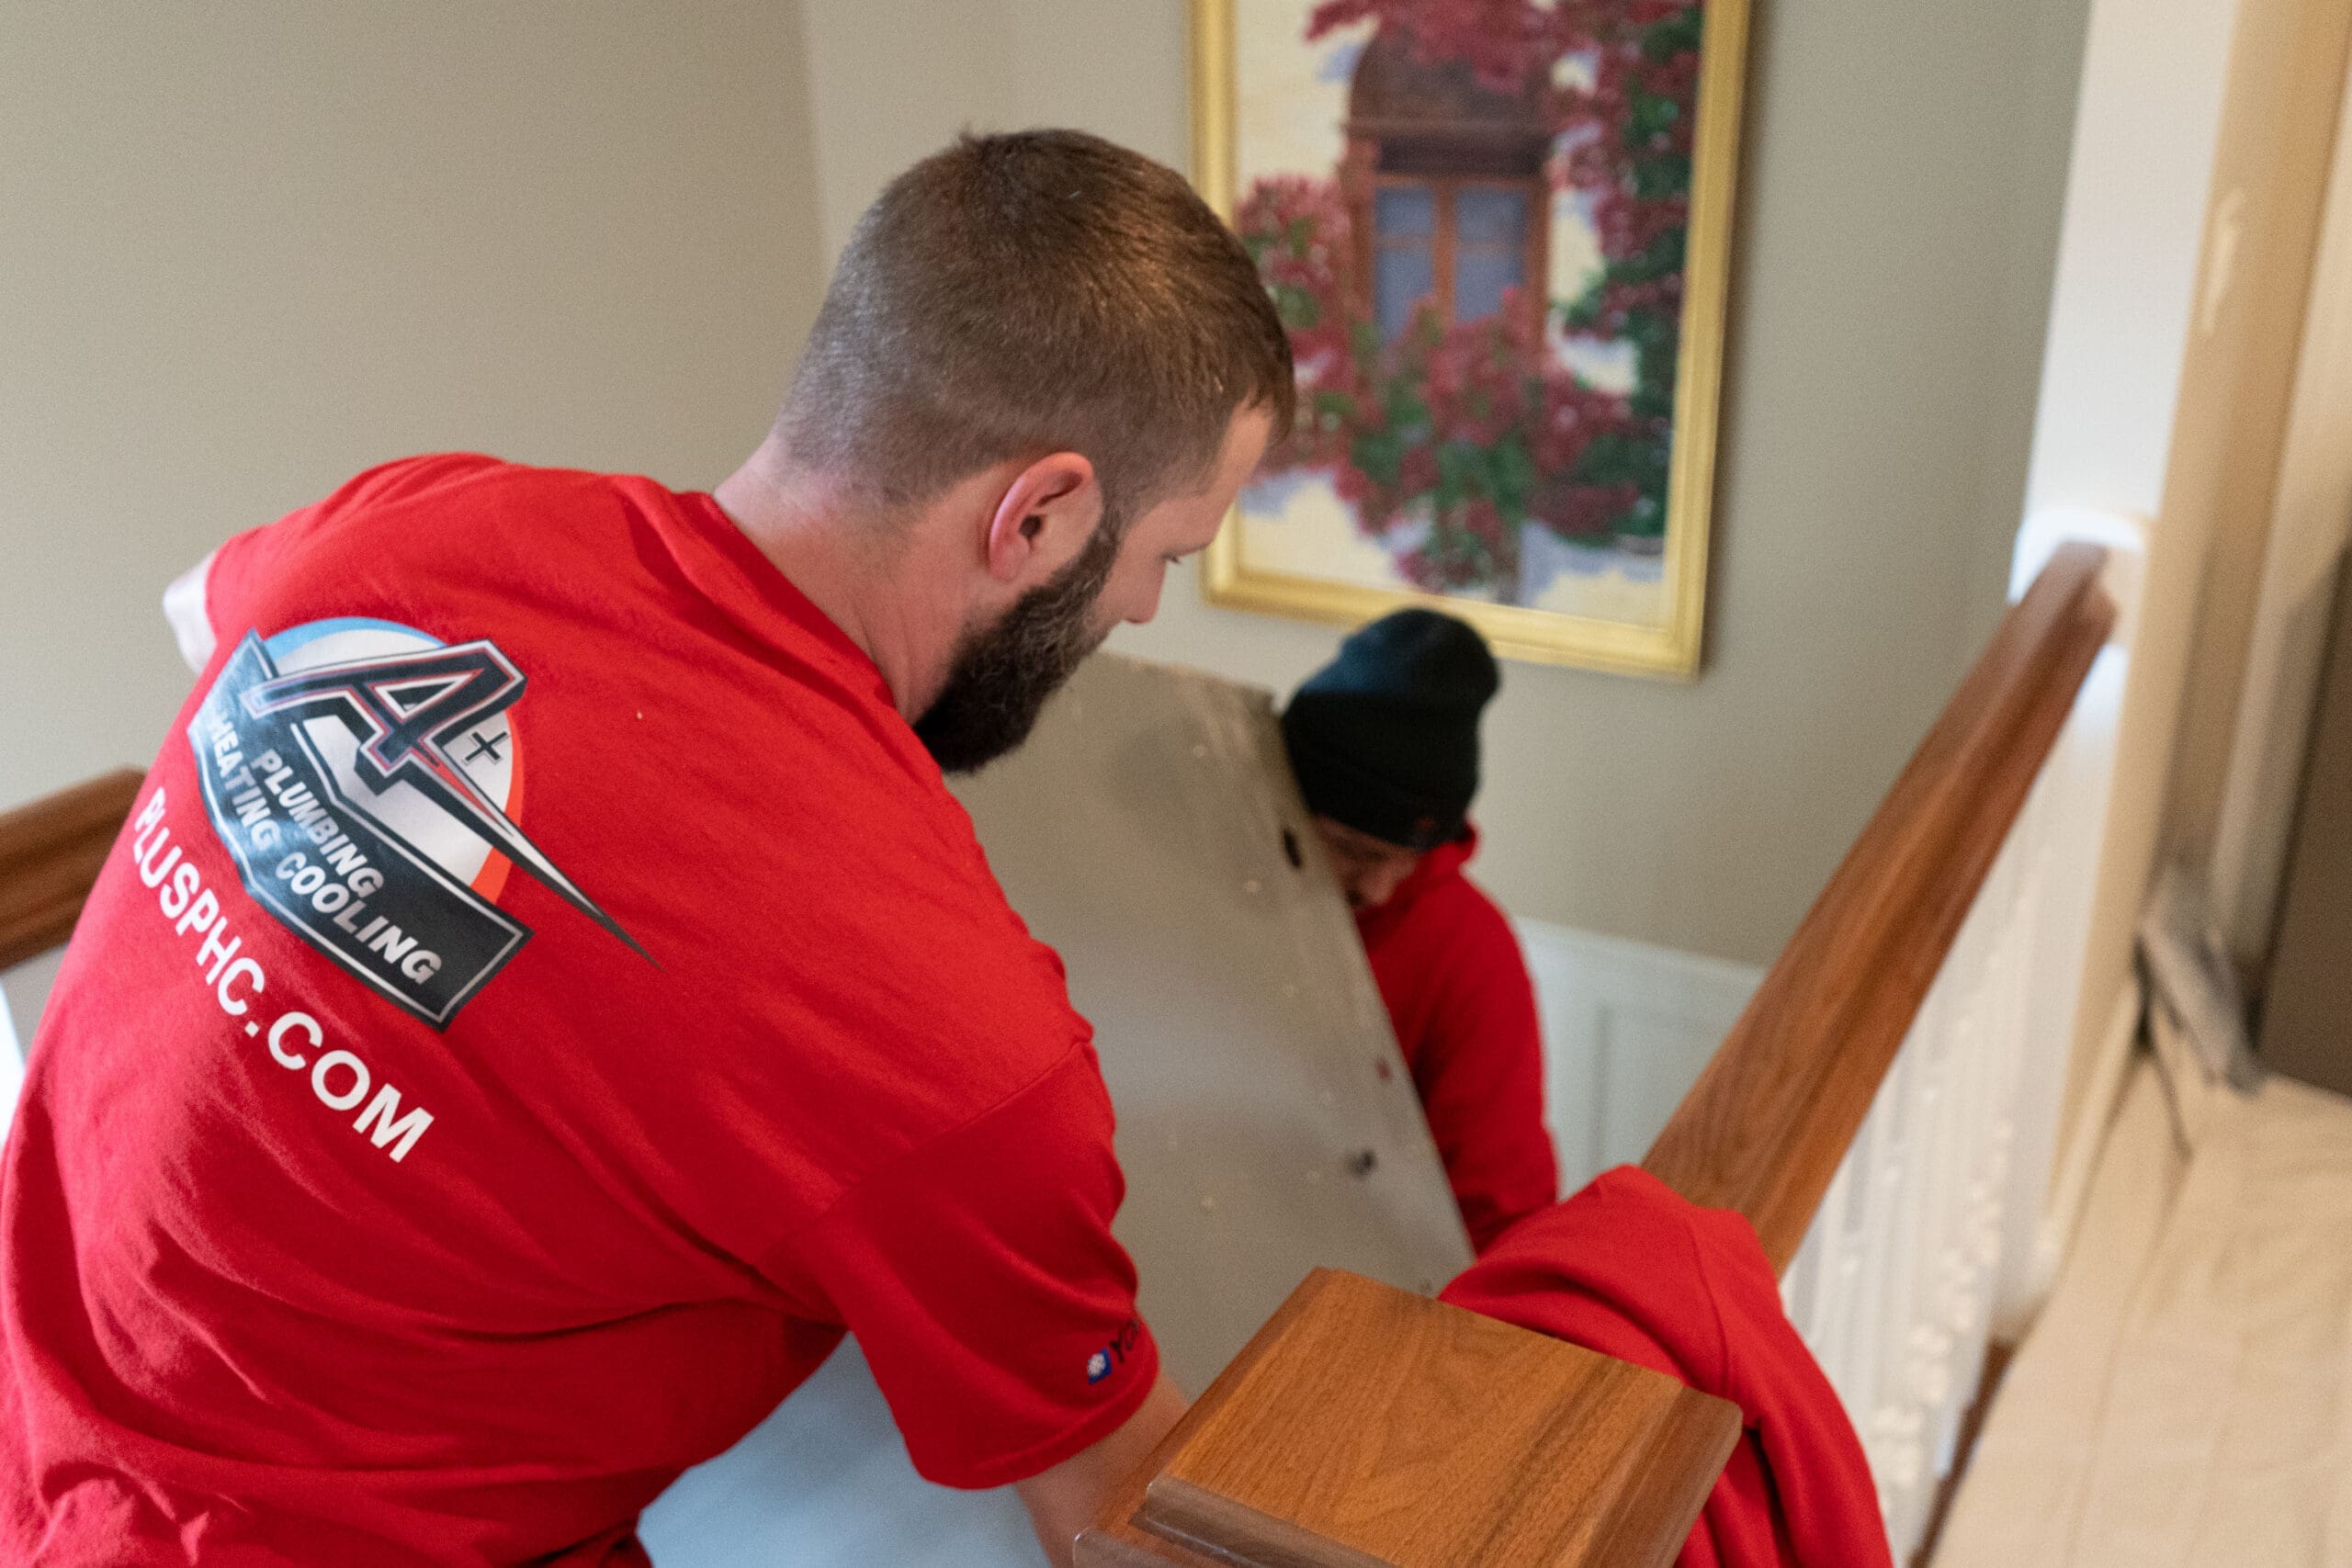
(1109, 1359)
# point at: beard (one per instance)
(1002, 674)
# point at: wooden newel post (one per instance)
(1369, 1427)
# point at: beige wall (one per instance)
(252, 248)
(1904, 171)
(2125, 318)
(2203, 141)
(2288, 634)
(2270, 179)
(247, 249)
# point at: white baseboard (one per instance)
(2078, 1160)
(1627, 1026)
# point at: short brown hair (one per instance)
(1030, 293)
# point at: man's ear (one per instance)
(1043, 520)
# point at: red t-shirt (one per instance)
(1457, 992)
(543, 996)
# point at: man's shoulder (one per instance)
(476, 475)
(465, 511)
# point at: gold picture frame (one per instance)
(1666, 638)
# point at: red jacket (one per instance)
(1457, 991)
(1630, 1268)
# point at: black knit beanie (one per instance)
(1385, 738)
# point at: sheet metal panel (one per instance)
(1151, 833)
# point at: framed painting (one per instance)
(1498, 232)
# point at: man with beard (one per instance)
(546, 995)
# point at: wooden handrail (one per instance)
(50, 853)
(1764, 1129)
(1367, 1427)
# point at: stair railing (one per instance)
(1879, 1112)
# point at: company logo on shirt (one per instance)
(363, 775)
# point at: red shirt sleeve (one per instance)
(1479, 1069)
(981, 1277)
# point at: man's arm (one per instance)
(1065, 1499)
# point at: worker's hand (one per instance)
(1065, 1499)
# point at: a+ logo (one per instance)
(405, 710)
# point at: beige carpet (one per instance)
(2185, 1399)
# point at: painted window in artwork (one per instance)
(1405, 271)
(1460, 242)
(1489, 248)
